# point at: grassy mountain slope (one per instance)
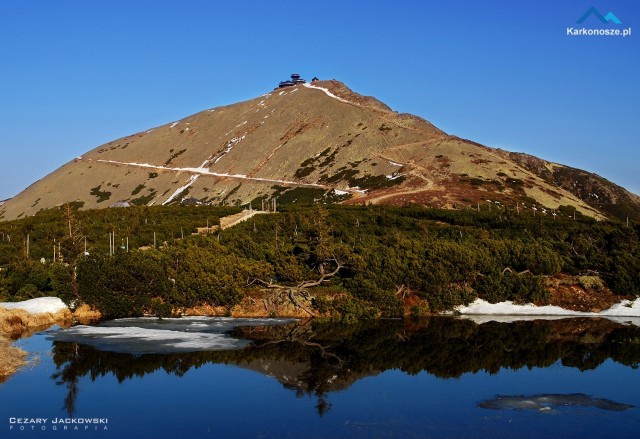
(315, 139)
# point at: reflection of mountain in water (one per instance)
(316, 359)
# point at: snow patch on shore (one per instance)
(482, 311)
(37, 306)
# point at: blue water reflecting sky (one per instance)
(227, 401)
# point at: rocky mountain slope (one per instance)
(316, 141)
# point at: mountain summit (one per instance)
(312, 141)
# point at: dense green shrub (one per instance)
(518, 288)
(122, 285)
(351, 309)
(448, 298)
(445, 257)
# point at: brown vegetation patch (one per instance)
(86, 315)
(414, 306)
(203, 310)
(11, 359)
(261, 303)
(443, 161)
(271, 303)
(580, 293)
(16, 323)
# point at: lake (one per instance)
(229, 378)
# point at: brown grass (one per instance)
(256, 303)
(85, 315)
(580, 293)
(16, 323)
(11, 359)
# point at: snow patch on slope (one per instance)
(327, 92)
(181, 189)
(204, 171)
(229, 146)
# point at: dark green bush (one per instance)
(518, 288)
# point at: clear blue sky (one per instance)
(76, 74)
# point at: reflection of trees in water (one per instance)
(316, 359)
(69, 376)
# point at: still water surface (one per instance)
(220, 378)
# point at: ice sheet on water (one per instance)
(160, 336)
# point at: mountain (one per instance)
(316, 141)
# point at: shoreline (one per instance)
(22, 319)
(19, 319)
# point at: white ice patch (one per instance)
(339, 192)
(327, 92)
(625, 311)
(174, 124)
(393, 176)
(37, 306)
(395, 164)
(159, 336)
